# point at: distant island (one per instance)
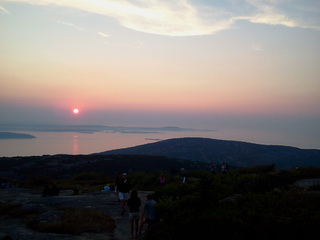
(12, 135)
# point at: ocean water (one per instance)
(81, 143)
(49, 143)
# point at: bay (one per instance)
(49, 143)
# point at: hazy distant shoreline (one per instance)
(98, 128)
(88, 139)
(12, 135)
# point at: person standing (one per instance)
(148, 214)
(213, 168)
(134, 203)
(224, 168)
(183, 175)
(123, 188)
(162, 179)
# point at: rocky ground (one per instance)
(29, 199)
(32, 199)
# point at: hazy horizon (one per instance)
(247, 68)
(136, 135)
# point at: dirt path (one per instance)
(107, 203)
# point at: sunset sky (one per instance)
(251, 64)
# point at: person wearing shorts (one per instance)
(123, 188)
(123, 196)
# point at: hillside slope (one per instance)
(241, 154)
(65, 166)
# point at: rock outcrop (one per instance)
(51, 208)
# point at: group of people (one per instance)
(6, 184)
(224, 168)
(132, 200)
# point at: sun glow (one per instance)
(76, 111)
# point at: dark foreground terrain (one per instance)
(66, 166)
(262, 201)
(244, 203)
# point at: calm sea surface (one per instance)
(83, 143)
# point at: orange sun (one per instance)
(76, 111)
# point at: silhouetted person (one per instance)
(162, 179)
(123, 188)
(224, 168)
(213, 168)
(134, 203)
(149, 213)
(183, 175)
(76, 191)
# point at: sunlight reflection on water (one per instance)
(86, 143)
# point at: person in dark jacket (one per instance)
(123, 188)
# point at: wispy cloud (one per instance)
(3, 10)
(171, 18)
(70, 25)
(287, 13)
(186, 18)
(138, 45)
(267, 13)
(103, 34)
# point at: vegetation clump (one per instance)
(254, 203)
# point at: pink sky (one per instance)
(254, 58)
